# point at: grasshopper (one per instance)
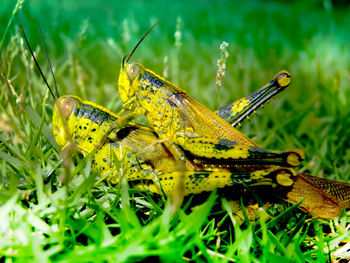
(77, 121)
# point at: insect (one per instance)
(73, 118)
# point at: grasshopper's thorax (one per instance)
(80, 122)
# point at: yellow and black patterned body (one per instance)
(189, 126)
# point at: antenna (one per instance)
(127, 57)
(36, 63)
(48, 61)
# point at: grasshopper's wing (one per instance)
(315, 200)
(339, 190)
(204, 122)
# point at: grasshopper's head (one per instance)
(129, 77)
(64, 118)
(129, 82)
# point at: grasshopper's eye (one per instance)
(67, 106)
(133, 70)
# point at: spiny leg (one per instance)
(235, 112)
(226, 149)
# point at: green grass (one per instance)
(43, 221)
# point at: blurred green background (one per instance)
(87, 39)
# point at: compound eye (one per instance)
(67, 106)
(133, 70)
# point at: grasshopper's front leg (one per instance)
(105, 162)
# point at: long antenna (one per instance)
(48, 61)
(127, 57)
(36, 63)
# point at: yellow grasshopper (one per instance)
(73, 117)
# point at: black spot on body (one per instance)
(258, 152)
(122, 133)
(224, 145)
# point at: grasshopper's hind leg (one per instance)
(196, 182)
(234, 113)
(240, 153)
